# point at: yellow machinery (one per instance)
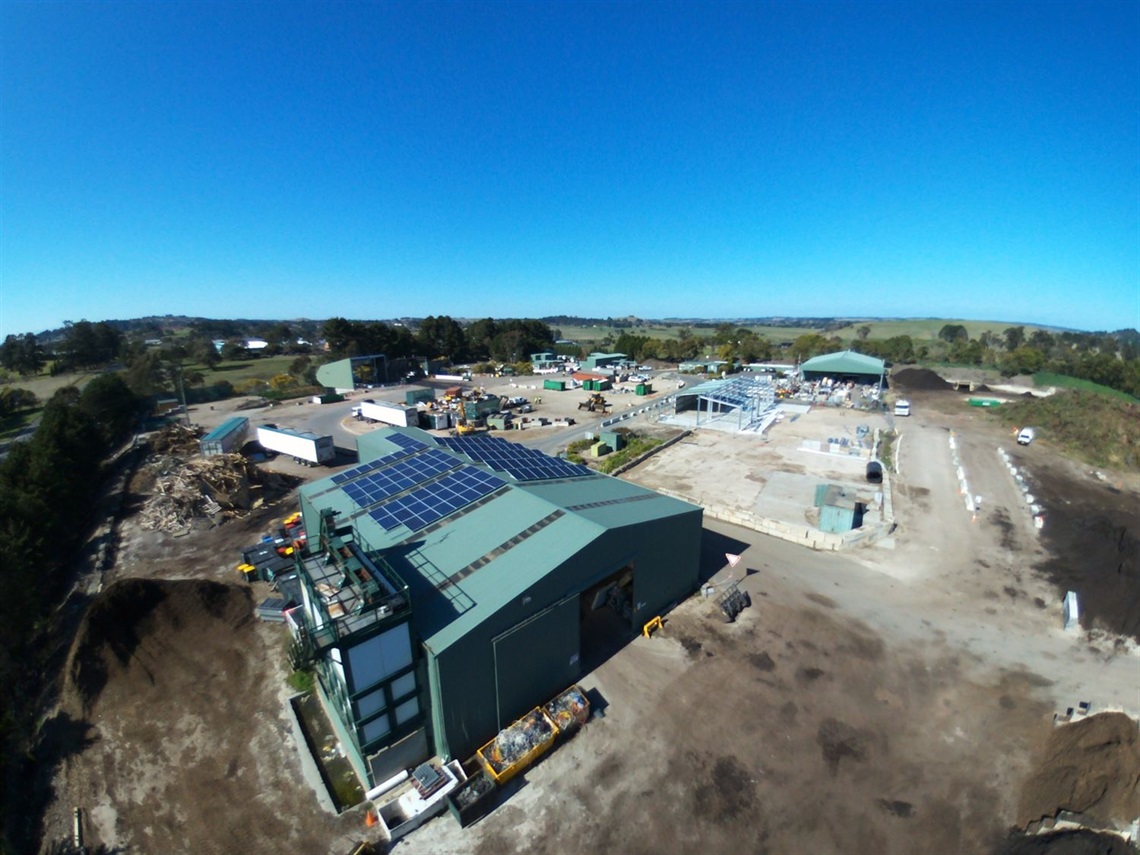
(466, 428)
(595, 404)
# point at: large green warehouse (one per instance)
(458, 582)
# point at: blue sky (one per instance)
(377, 160)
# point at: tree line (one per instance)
(441, 337)
(48, 487)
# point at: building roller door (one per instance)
(536, 659)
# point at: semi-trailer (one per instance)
(399, 415)
(302, 446)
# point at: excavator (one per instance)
(595, 404)
(466, 428)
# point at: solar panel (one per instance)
(433, 501)
(405, 474)
(522, 463)
(407, 442)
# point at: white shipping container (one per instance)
(300, 445)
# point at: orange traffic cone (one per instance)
(370, 818)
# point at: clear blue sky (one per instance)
(699, 159)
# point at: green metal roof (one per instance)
(470, 564)
(844, 362)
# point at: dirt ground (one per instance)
(895, 698)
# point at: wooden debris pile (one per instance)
(206, 488)
(176, 439)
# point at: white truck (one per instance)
(399, 415)
(302, 446)
(902, 407)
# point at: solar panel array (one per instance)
(524, 464)
(436, 500)
(407, 442)
(405, 474)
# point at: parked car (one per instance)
(1026, 436)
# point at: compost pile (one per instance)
(513, 743)
(1094, 548)
(1090, 767)
(136, 624)
(918, 380)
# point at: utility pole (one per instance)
(182, 395)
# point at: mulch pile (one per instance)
(139, 632)
(1090, 767)
(918, 380)
(1092, 532)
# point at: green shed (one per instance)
(516, 570)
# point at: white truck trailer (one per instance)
(399, 415)
(302, 446)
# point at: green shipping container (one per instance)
(415, 396)
(643, 389)
(555, 385)
(984, 402)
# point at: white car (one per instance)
(1026, 436)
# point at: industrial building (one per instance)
(596, 361)
(845, 366)
(452, 584)
(746, 401)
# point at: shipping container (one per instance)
(227, 438)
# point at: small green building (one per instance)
(597, 361)
(839, 508)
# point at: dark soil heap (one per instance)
(1090, 767)
(135, 623)
(918, 380)
(1094, 549)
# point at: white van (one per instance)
(1026, 436)
(902, 408)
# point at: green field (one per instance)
(926, 329)
(919, 329)
(241, 370)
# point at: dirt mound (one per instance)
(1072, 842)
(1094, 548)
(135, 623)
(919, 380)
(1090, 767)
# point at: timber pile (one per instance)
(211, 488)
(176, 439)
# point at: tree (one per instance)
(951, 333)
(1014, 338)
(442, 337)
(808, 345)
(22, 354)
(862, 332)
(111, 404)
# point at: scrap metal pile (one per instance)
(515, 742)
(569, 710)
(188, 488)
